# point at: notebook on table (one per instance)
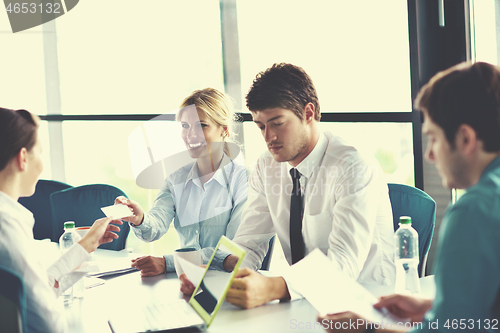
(198, 313)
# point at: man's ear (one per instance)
(466, 139)
(21, 159)
(309, 112)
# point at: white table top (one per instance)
(129, 291)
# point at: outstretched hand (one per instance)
(101, 232)
(138, 212)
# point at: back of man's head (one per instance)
(465, 94)
(283, 86)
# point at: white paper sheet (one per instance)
(330, 291)
(117, 211)
(91, 282)
(194, 273)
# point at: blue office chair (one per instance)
(267, 259)
(39, 205)
(82, 204)
(411, 201)
(12, 302)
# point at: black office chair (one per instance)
(39, 205)
(411, 201)
(82, 204)
(267, 259)
(12, 302)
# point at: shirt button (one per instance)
(196, 231)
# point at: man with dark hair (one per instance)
(285, 86)
(325, 196)
(461, 108)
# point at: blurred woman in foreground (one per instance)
(20, 166)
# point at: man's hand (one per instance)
(405, 306)
(138, 216)
(149, 265)
(251, 289)
(343, 321)
(187, 288)
(230, 262)
(101, 232)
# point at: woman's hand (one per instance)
(138, 216)
(102, 231)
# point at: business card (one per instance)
(117, 211)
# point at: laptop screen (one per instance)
(211, 291)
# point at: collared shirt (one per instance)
(18, 252)
(347, 212)
(201, 215)
(467, 268)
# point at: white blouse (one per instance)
(18, 252)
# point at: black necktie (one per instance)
(296, 240)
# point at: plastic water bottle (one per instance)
(67, 240)
(406, 257)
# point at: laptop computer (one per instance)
(198, 313)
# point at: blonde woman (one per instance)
(204, 198)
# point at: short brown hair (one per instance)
(465, 94)
(18, 129)
(285, 86)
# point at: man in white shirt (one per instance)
(341, 205)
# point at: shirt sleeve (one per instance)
(357, 198)
(256, 228)
(157, 221)
(467, 271)
(294, 294)
(239, 196)
(44, 312)
(64, 266)
(169, 263)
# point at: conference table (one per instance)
(128, 292)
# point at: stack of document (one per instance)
(103, 268)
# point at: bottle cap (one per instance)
(69, 225)
(405, 220)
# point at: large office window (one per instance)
(135, 58)
(485, 27)
(389, 143)
(357, 53)
(125, 60)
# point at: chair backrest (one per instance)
(39, 205)
(267, 259)
(12, 302)
(82, 204)
(411, 201)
